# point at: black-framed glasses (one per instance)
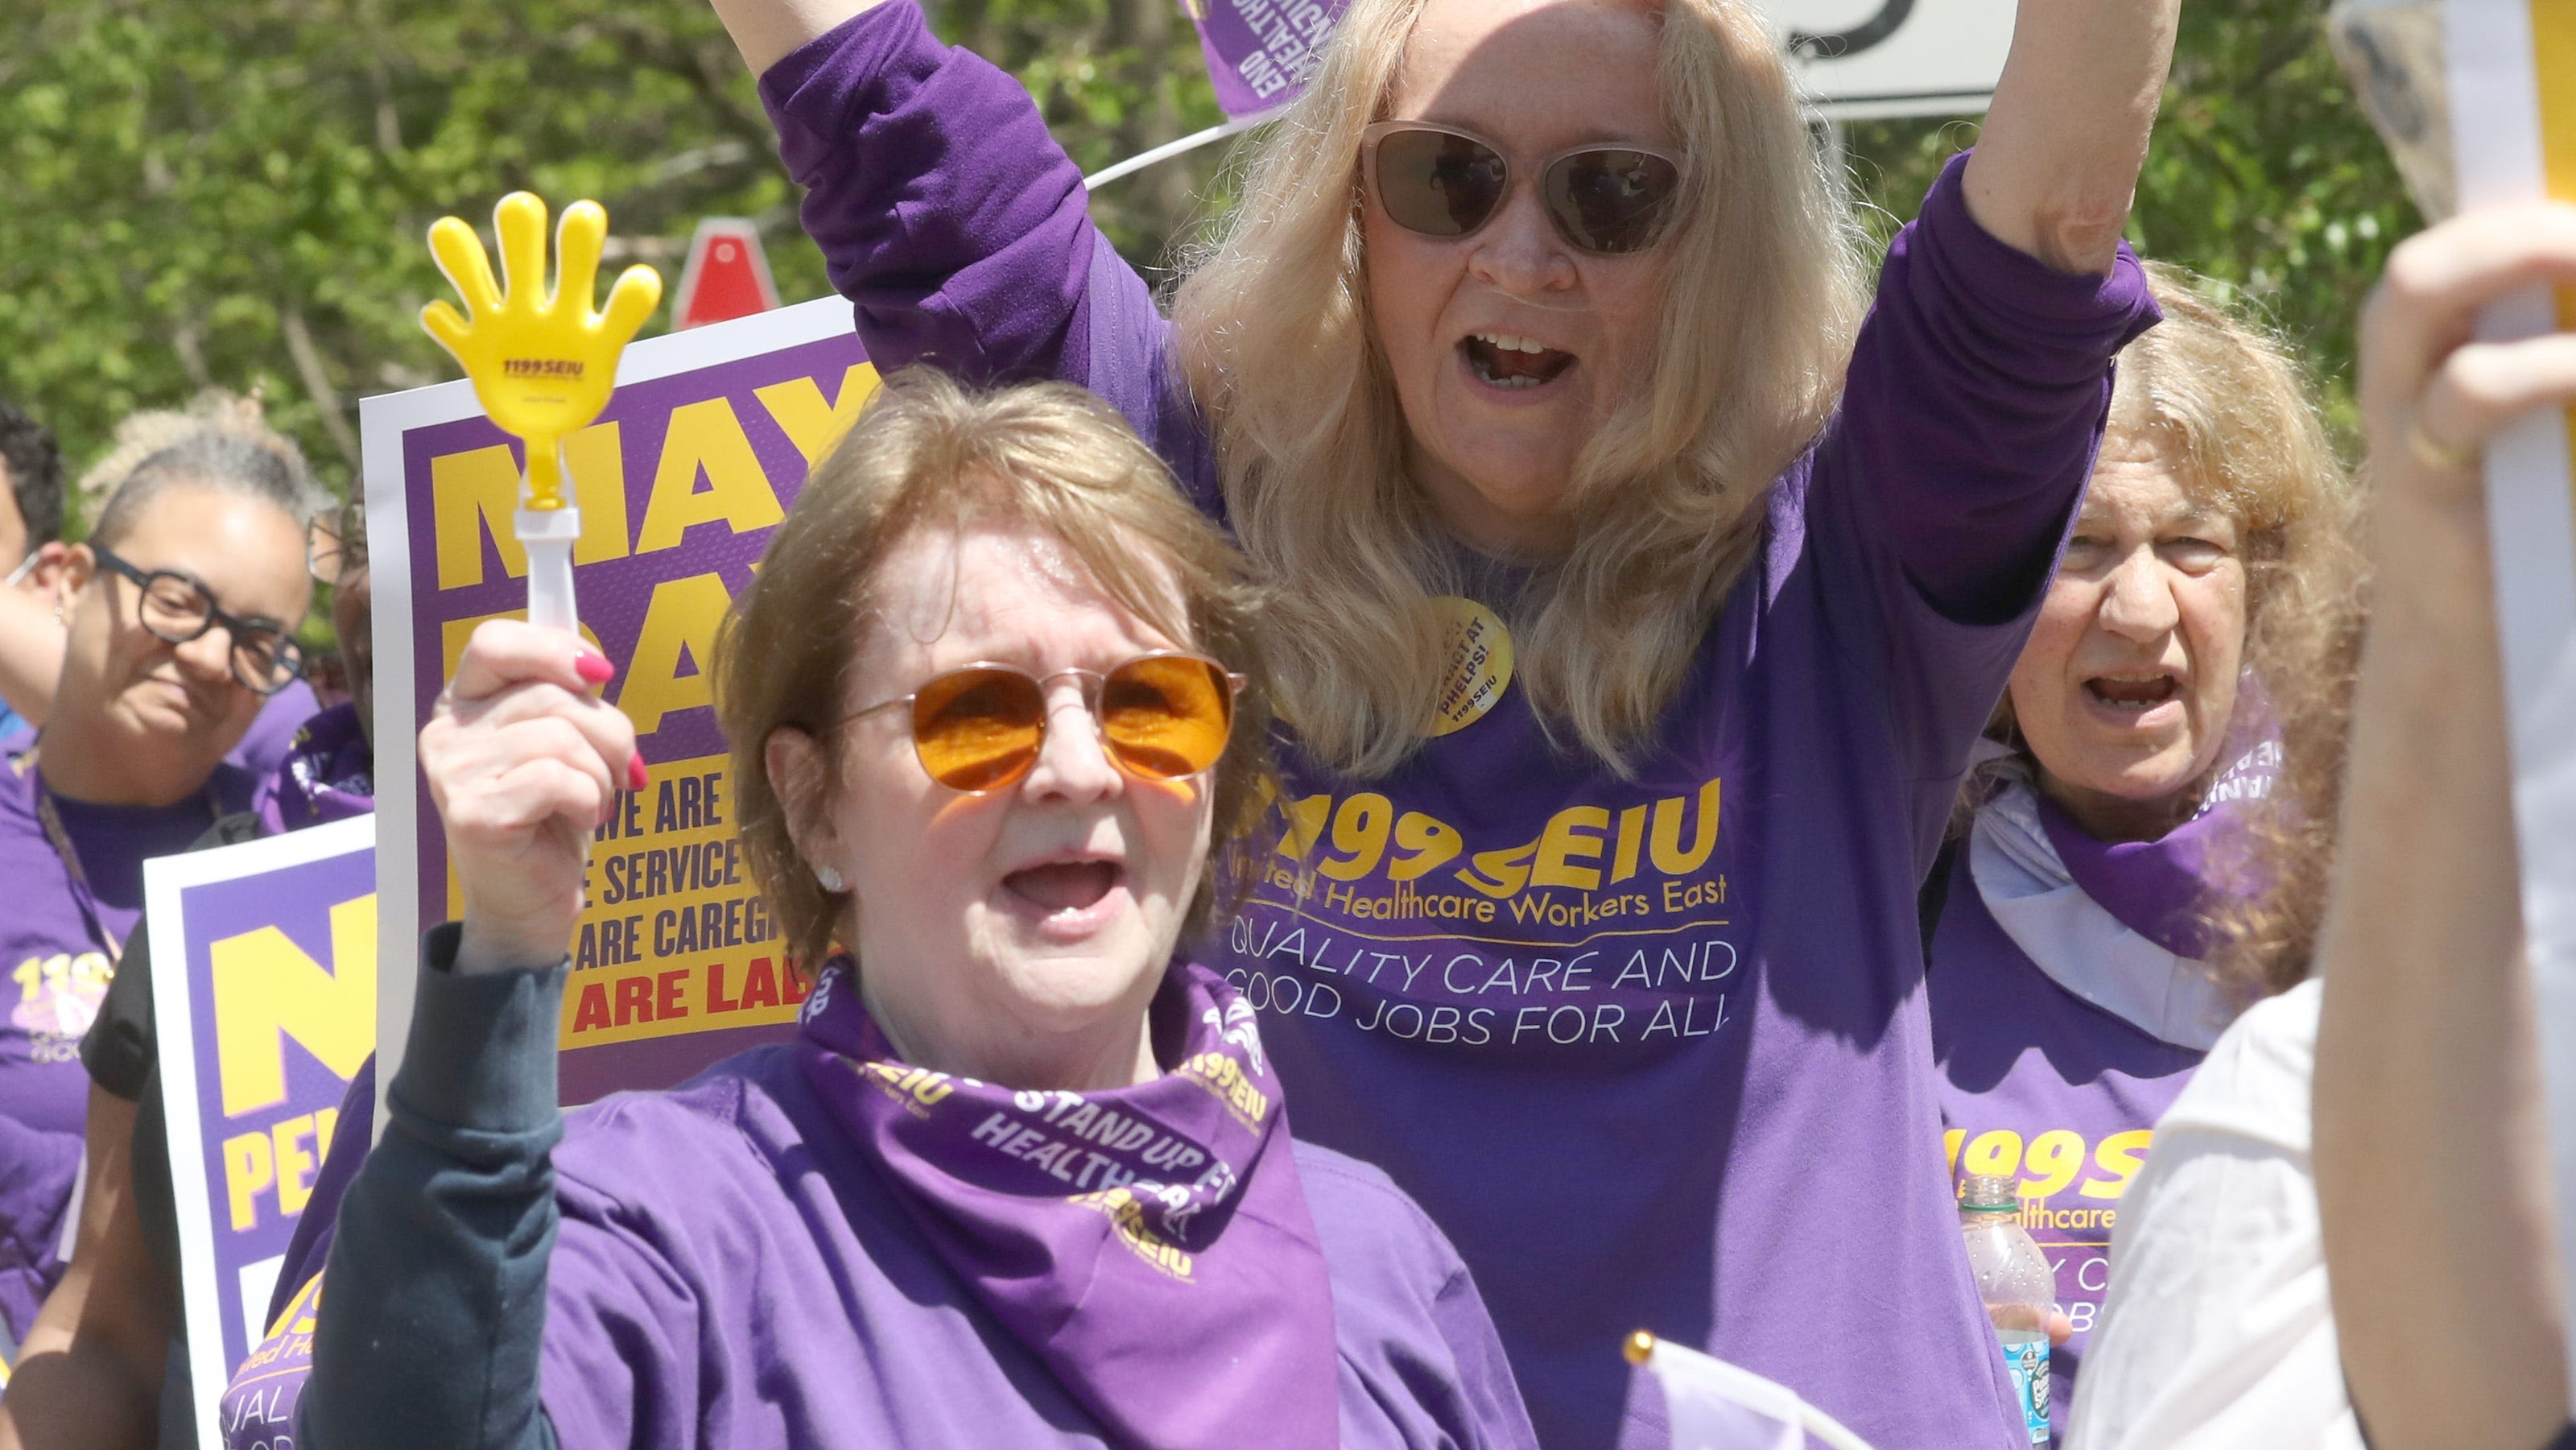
(1163, 716)
(336, 542)
(1444, 182)
(178, 609)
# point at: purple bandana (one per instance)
(327, 775)
(2159, 888)
(1151, 1244)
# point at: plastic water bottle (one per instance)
(2013, 1278)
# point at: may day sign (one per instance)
(2512, 83)
(264, 985)
(702, 447)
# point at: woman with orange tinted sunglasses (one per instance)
(1024, 1178)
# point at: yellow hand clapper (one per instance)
(542, 362)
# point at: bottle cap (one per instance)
(1989, 1193)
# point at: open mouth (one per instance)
(1505, 360)
(2135, 696)
(1065, 886)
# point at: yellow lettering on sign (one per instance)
(810, 423)
(679, 621)
(706, 439)
(472, 495)
(248, 1169)
(294, 1162)
(266, 989)
(597, 463)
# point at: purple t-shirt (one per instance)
(1652, 1051)
(59, 942)
(36, 1171)
(735, 1203)
(58, 947)
(2039, 1084)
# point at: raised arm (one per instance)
(2057, 160)
(435, 1311)
(2431, 1155)
(946, 213)
(766, 30)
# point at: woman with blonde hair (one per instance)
(1636, 605)
(2195, 635)
(1025, 1176)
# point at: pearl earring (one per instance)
(830, 878)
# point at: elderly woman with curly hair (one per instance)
(1636, 602)
(2185, 647)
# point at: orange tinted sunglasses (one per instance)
(1162, 716)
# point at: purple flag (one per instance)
(1260, 51)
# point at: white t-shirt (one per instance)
(2217, 1332)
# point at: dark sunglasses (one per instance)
(178, 609)
(1162, 716)
(1443, 182)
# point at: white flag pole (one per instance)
(1169, 149)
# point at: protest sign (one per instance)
(264, 995)
(2512, 85)
(700, 450)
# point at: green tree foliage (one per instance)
(235, 192)
(2263, 175)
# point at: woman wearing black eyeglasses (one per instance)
(1025, 1178)
(1637, 603)
(181, 612)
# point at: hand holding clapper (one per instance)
(542, 363)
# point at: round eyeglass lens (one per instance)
(978, 730)
(1167, 717)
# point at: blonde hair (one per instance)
(929, 453)
(1664, 509)
(2233, 414)
(214, 413)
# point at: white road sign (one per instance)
(1860, 59)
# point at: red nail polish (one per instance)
(592, 666)
(637, 777)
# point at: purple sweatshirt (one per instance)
(1653, 1052)
(731, 1267)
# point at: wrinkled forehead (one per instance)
(948, 594)
(1539, 74)
(2147, 478)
